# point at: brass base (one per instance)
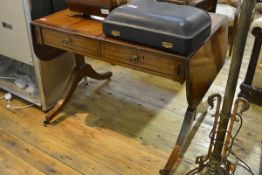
(221, 171)
(206, 165)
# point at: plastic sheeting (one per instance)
(19, 74)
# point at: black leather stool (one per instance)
(250, 90)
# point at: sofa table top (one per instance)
(86, 27)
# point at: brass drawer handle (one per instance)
(66, 42)
(134, 59)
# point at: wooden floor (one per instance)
(125, 126)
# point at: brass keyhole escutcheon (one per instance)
(134, 59)
(66, 42)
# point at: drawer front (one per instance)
(161, 64)
(72, 43)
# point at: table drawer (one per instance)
(69, 42)
(161, 64)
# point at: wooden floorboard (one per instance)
(33, 156)
(12, 164)
(126, 126)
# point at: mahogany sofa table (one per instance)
(60, 32)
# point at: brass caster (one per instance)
(46, 122)
(164, 172)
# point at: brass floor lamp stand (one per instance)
(216, 162)
(225, 166)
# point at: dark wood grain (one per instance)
(203, 67)
(208, 5)
(93, 7)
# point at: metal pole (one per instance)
(244, 25)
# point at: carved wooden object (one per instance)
(84, 37)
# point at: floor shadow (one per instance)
(194, 130)
(130, 106)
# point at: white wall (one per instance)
(15, 42)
